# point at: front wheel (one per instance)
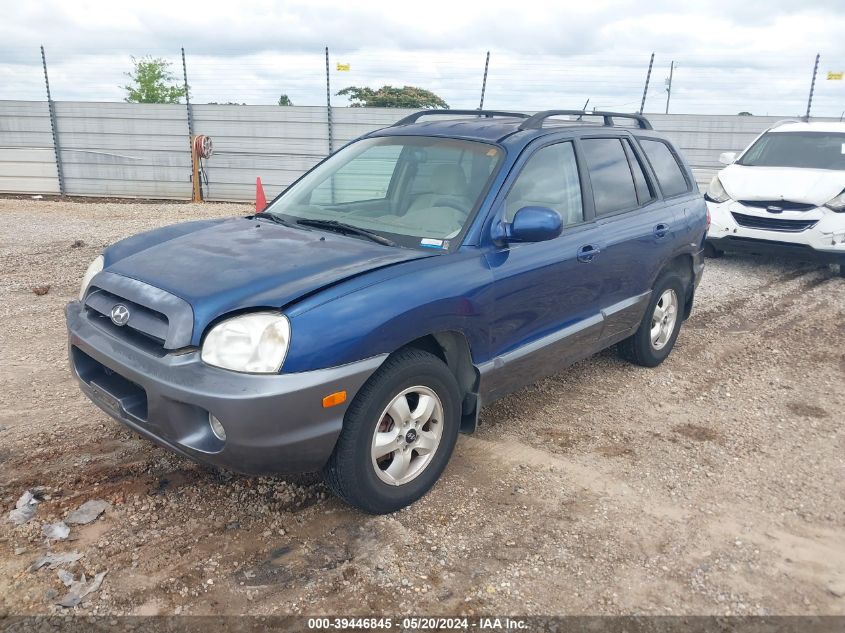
(654, 339)
(398, 434)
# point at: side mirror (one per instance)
(532, 224)
(726, 158)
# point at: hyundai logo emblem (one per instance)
(774, 209)
(120, 315)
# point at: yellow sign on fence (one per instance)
(832, 76)
(345, 68)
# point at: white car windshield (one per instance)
(811, 150)
(416, 191)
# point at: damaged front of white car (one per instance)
(785, 192)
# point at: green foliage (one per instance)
(284, 100)
(391, 97)
(743, 113)
(152, 82)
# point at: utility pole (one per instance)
(55, 130)
(484, 81)
(329, 104)
(669, 85)
(812, 87)
(647, 78)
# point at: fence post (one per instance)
(53, 127)
(812, 88)
(484, 81)
(329, 104)
(647, 78)
(196, 190)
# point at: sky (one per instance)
(753, 55)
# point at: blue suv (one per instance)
(360, 322)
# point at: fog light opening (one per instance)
(217, 428)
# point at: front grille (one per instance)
(783, 205)
(772, 224)
(143, 321)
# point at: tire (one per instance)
(711, 251)
(640, 348)
(408, 375)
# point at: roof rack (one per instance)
(489, 114)
(535, 122)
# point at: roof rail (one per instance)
(489, 114)
(535, 122)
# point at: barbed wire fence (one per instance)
(83, 140)
(699, 85)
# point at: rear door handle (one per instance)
(660, 230)
(587, 253)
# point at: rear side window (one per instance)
(644, 193)
(613, 184)
(669, 173)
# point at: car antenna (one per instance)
(584, 109)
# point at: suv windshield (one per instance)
(813, 150)
(416, 191)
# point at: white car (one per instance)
(786, 191)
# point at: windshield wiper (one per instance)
(342, 227)
(272, 217)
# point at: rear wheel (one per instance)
(398, 434)
(654, 339)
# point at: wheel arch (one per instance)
(453, 348)
(681, 265)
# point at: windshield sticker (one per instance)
(427, 242)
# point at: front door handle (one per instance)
(587, 253)
(660, 230)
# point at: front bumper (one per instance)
(274, 423)
(824, 241)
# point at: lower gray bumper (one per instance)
(273, 423)
(772, 247)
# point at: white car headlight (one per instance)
(93, 268)
(837, 204)
(716, 192)
(253, 343)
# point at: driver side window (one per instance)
(549, 179)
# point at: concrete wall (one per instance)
(142, 150)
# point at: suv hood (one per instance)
(220, 267)
(809, 186)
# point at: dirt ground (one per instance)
(712, 484)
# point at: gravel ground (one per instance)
(710, 485)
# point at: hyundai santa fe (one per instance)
(360, 322)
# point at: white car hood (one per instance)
(811, 186)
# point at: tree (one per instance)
(152, 82)
(284, 100)
(744, 113)
(391, 97)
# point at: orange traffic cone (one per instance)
(260, 198)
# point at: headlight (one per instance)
(254, 343)
(93, 268)
(716, 192)
(837, 204)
